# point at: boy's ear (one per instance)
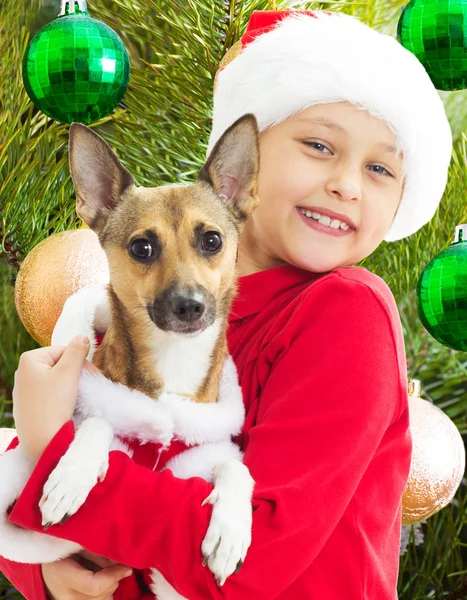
(233, 165)
(98, 176)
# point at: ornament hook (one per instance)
(414, 386)
(460, 234)
(68, 7)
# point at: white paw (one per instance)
(67, 488)
(229, 533)
(84, 464)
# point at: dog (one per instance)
(167, 373)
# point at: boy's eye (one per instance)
(313, 144)
(380, 167)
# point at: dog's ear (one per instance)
(233, 165)
(98, 176)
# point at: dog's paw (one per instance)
(67, 488)
(229, 533)
(84, 464)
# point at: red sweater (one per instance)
(322, 366)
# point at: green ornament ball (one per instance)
(442, 294)
(435, 31)
(76, 68)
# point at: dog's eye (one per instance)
(211, 241)
(141, 249)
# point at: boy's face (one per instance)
(306, 164)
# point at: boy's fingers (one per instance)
(48, 356)
(102, 583)
(74, 356)
(105, 593)
(71, 573)
(107, 579)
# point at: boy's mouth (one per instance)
(323, 223)
(333, 220)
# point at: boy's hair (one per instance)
(288, 61)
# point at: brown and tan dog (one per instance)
(171, 253)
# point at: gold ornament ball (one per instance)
(7, 435)
(53, 271)
(438, 459)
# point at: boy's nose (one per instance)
(187, 309)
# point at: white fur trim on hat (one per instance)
(306, 61)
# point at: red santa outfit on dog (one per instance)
(320, 359)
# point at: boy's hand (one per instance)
(67, 579)
(45, 392)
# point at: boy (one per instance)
(355, 148)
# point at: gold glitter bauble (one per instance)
(438, 459)
(53, 271)
(228, 57)
(6, 437)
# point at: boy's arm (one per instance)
(27, 579)
(333, 392)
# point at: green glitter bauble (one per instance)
(442, 295)
(76, 69)
(436, 32)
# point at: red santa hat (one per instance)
(289, 60)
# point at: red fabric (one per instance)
(322, 366)
(13, 444)
(27, 579)
(262, 21)
(153, 456)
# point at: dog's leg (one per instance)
(229, 534)
(231, 520)
(80, 468)
(84, 310)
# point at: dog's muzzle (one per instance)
(183, 312)
(187, 309)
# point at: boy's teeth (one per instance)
(324, 220)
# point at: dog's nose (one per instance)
(187, 309)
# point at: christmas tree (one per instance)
(160, 132)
